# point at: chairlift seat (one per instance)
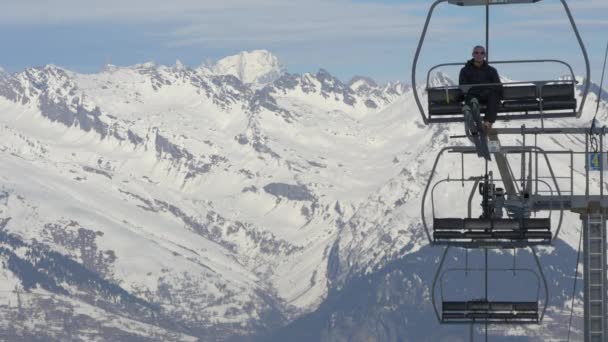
(518, 101)
(480, 231)
(489, 311)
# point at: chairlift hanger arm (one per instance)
(587, 67)
(435, 279)
(544, 280)
(428, 186)
(425, 119)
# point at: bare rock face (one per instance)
(82, 241)
(288, 191)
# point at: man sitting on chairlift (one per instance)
(478, 71)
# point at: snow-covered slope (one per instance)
(213, 201)
(204, 196)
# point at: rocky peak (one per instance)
(440, 79)
(361, 84)
(50, 80)
(257, 67)
(395, 88)
(39, 76)
(179, 65)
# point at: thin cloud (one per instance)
(348, 35)
(590, 5)
(196, 22)
(40, 12)
(581, 7)
(560, 23)
(319, 21)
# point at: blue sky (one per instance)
(346, 37)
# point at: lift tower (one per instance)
(592, 207)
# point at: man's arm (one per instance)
(462, 79)
(495, 77)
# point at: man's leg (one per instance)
(474, 127)
(492, 103)
(472, 103)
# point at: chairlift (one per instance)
(544, 99)
(492, 306)
(493, 228)
(520, 100)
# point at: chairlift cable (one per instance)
(599, 95)
(594, 143)
(578, 256)
(488, 30)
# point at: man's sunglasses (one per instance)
(479, 52)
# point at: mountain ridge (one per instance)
(233, 208)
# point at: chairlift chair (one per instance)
(491, 230)
(483, 232)
(494, 308)
(544, 99)
(520, 100)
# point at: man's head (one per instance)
(479, 53)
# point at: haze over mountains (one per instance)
(168, 202)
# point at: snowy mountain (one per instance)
(208, 203)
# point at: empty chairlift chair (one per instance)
(492, 312)
(480, 231)
(491, 229)
(505, 305)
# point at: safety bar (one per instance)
(476, 181)
(540, 276)
(428, 75)
(489, 2)
(490, 269)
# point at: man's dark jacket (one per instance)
(470, 74)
